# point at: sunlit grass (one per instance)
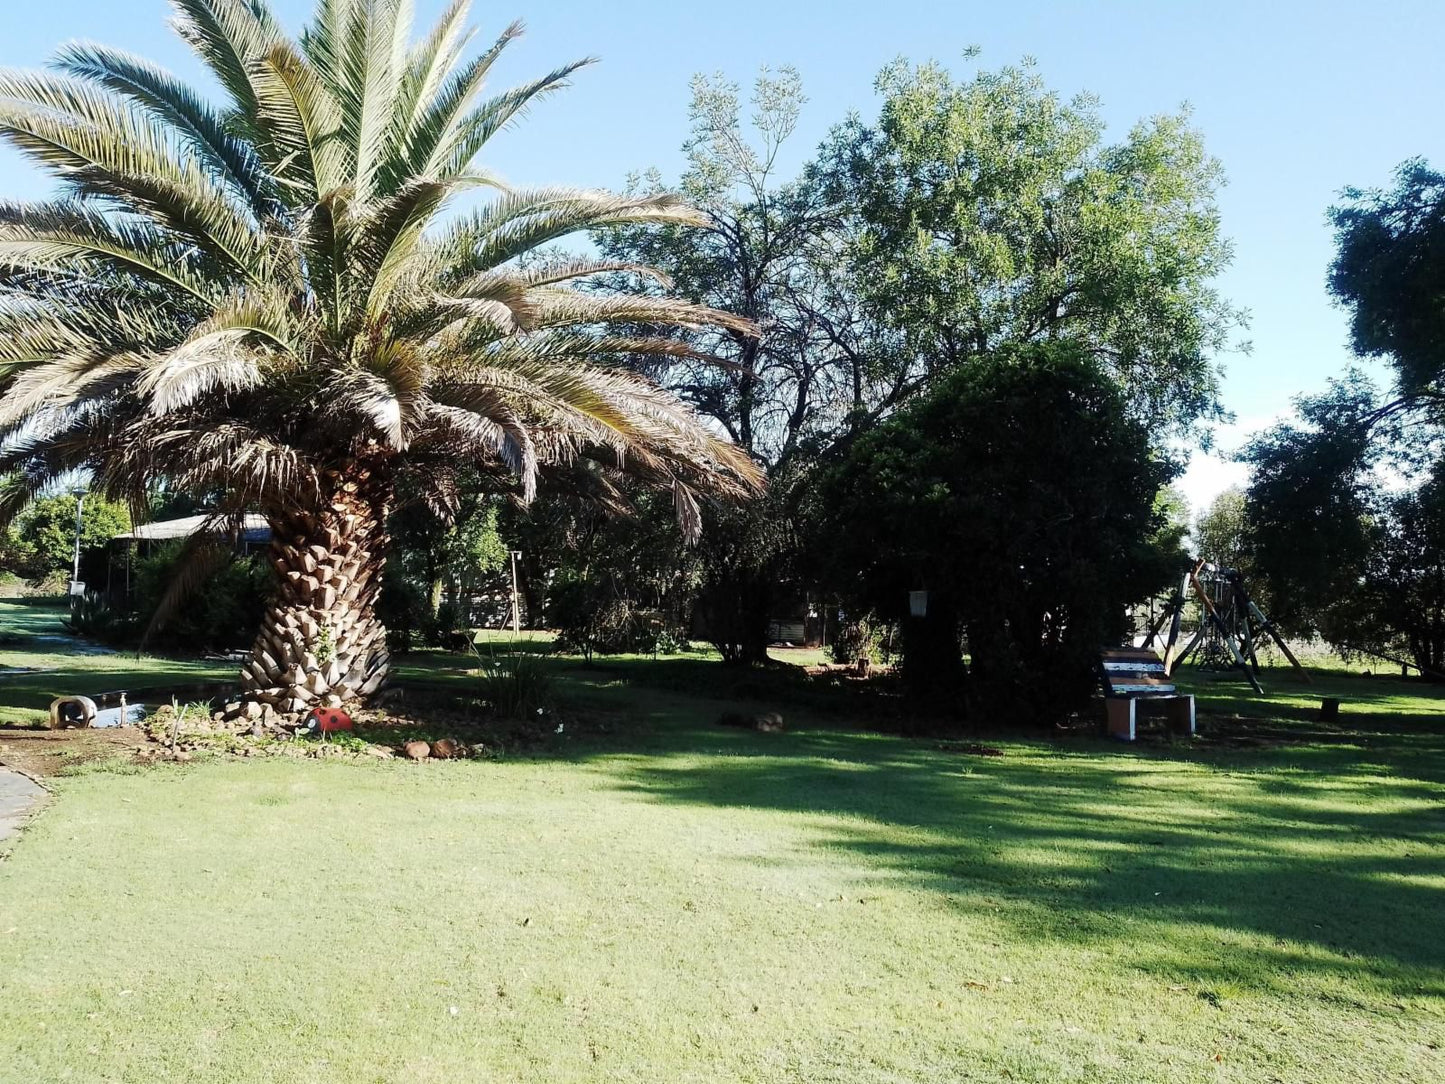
(677, 901)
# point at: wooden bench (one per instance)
(1132, 674)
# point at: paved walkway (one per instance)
(18, 796)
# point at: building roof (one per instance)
(256, 529)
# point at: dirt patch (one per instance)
(43, 753)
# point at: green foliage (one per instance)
(440, 560)
(516, 685)
(1389, 271)
(95, 617)
(42, 540)
(1022, 497)
(617, 580)
(1310, 506)
(1343, 551)
(225, 613)
(993, 212)
(1220, 529)
(1343, 555)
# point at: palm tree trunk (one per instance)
(321, 644)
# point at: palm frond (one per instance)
(71, 239)
(163, 96)
(521, 221)
(228, 36)
(434, 119)
(455, 152)
(300, 124)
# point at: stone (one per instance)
(253, 710)
(768, 722)
(416, 750)
(445, 749)
(381, 752)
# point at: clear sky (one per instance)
(1298, 99)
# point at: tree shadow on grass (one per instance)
(1191, 859)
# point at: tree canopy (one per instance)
(992, 212)
(1022, 497)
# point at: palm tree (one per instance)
(272, 301)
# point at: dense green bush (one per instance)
(1020, 494)
(42, 540)
(592, 616)
(224, 612)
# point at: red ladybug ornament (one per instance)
(326, 720)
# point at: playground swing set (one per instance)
(1231, 628)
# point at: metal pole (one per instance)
(516, 606)
(75, 565)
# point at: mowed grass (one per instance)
(674, 901)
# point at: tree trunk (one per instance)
(321, 644)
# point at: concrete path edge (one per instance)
(19, 797)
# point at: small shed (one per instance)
(255, 536)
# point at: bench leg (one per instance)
(1119, 712)
(1181, 715)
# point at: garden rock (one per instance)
(768, 722)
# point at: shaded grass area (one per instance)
(652, 897)
(44, 663)
(659, 898)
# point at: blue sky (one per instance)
(1297, 99)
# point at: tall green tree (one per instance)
(814, 366)
(969, 216)
(1341, 547)
(1022, 497)
(268, 298)
(1219, 531)
(1341, 541)
(1389, 272)
(993, 212)
(42, 540)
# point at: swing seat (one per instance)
(1131, 675)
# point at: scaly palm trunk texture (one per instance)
(321, 644)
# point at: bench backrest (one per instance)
(1132, 671)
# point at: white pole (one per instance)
(75, 564)
(516, 607)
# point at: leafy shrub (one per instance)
(515, 686)
(96, 619)
(223, 612)
(858, 639)
(592, 617)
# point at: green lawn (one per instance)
(31, 638)
(674, 901)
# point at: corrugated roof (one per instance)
(256, 529)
